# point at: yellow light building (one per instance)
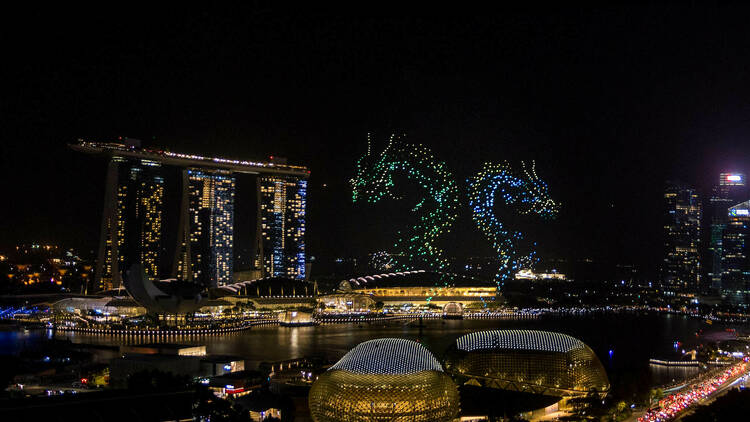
(132, 220)
(385, 380)
(419, 286)
(206, 244)
(537, 362)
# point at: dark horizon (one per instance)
(611, 102)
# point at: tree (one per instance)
(155, 380)
(621, 406)
(655, 395)
(249, 305)
(619, 412)
(208, 407)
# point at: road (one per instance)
(723, 389)
(35, 390)
(715, 395)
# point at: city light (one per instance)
(283, 205)
(209, 228)
(573, 186)
(188, 159)
(385, 379)
(523, 360)
(135, 201)
(673, 404)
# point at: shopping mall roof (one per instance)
(268, 287)
(415, 278)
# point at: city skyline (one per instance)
(133, 229)
(529, 214)
(601, 118)
(705, 190)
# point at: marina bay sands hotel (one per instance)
(132, 228)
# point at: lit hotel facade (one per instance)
(132, 220)
(282, 203)
(206, 244)
(132, 228)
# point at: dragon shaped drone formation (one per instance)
(436, 210)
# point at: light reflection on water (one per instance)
(669, 374)
(633, 339)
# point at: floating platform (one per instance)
(677, 363)
(297, 324)
(453, 316)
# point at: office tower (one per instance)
(281, 249)
(205, 254)
(735, 277)
(731, 190)
(132, 220)
(681, 266)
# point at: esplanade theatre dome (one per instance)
(538, 362)
(385, 379)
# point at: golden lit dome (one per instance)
(385, 379)
(531, 361)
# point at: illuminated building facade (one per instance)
(345, 302)
(281, 249)
(527, 274)
(682, 219)
(735, 278)
(385, 380)
(131, 230)
(731, 190)
(132, 220)
(538, 362)
(296, 318)
(421, 287)
(207, 238)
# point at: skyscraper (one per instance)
(731, 190)
(205, 254)
(132, 232)
(735, 277)
(681, 265)
(282, 201)
(132, 220)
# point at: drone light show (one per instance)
(437, 208)
(434, 212)
(525, 193)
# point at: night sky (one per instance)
(610, 102)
